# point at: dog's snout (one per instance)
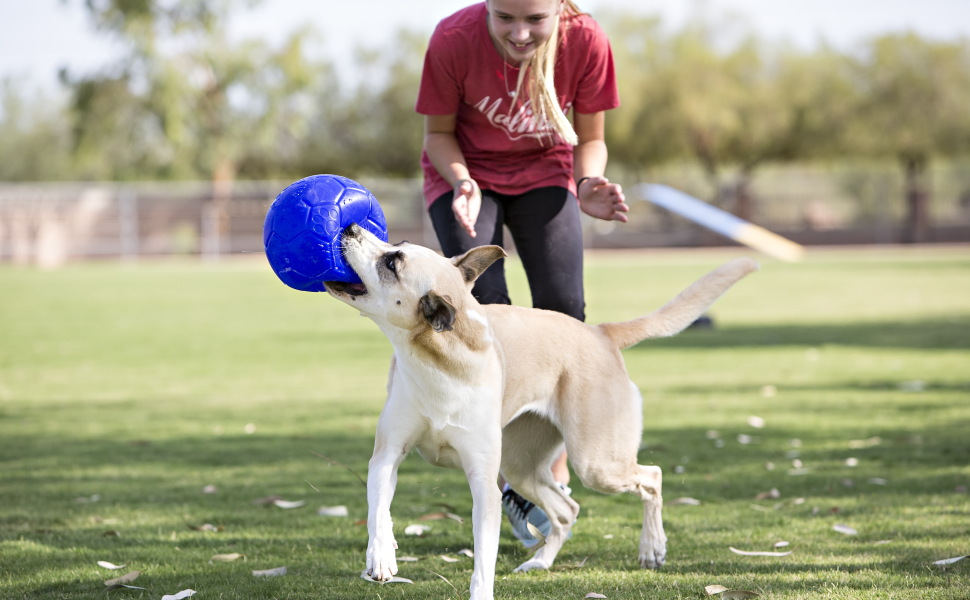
(352, 231)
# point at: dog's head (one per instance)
(406, 286)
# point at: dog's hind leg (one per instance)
(530, 444)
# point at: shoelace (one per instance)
(520, 504)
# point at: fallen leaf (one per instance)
(852, 462)
(180, 596)
(746, 553)
(107, 565)
(250, 428)
(360, 522)
(205, 527)
(756, 422)
(768, 391)
(86, 499)
(226, 557)
(119, 586)
(877, 481)
(715, 589)
(781, 544)
(270, 572)
(416, 529)
(773, 493)
(758, 507)
(333, 511)
(769, 466)
(366, 577)
(798, 501)
(712, 434)
(126, 578)
(738, 595)
(209, 489)
(912, 386)
(432, 517)
(834, 510)
(608, 536)
(537, 535)
(873, 441)
(685, 502)
(594, 595)
(844, 529)
(744, 438)
(289, 504)
(448, 559)
(447, 507)
(455, 517)
(795, 443)
(949, 561)
(111, 533)
(467, 552)
(799, 471)
(797, 463)
(679, 469)
(268, 500)
(882, 542)
(407, 559)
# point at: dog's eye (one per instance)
(391, 261)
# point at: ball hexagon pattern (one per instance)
(302, 230)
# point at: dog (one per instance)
(498, 388)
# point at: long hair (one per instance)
(542, 89)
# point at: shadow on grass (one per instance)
(923, 334)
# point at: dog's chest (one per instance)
(435, 447)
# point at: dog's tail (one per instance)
(683, 310)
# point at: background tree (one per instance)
(913, 106)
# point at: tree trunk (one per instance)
(743, 202)
(915, 229)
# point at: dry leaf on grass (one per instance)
(366, 577)
(756, 422)
(877, 481)
(594, 595)
(608, 536)
(685, 502)
(437, 516)
(746, 553)
(880, 542)
(226, 557)
(209, 489)
(333, 511)
(87, 499)
(360, 522)
(111, 533)
(180, 596)
(126, 578)
(289, 504)
(267, 501)
(714, 589)
(207, 527)
(416, 529)
(773, 493)
(120, 586)
(537, 535)
(447, 507)
(738, 595)
(844, 529)
(107, 565)
(781, 544)
(467, 552)
(448, 559)
(270, 572)
(407, 559)
(949, 561)
(744, 438)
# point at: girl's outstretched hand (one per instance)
(601, 199)
(466, 204)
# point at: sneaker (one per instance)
(521, 511)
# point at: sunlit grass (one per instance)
(136, 384)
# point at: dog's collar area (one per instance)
(351, 289)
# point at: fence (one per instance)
(49, 223)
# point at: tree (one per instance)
(913, 106)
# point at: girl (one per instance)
(498, 80)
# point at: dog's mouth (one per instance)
(351, 289)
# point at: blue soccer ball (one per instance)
(302, 230)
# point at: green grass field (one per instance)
(136, 384)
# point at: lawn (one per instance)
(141, 385)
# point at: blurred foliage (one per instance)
(187, 101)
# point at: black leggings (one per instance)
(545, 227)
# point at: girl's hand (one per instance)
(466, 204)
(601, 199)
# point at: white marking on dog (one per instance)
(475, 316)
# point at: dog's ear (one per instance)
(474, 262)
(437, 311)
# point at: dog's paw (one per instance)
(381, 565)
(653, 558)
(533, 564)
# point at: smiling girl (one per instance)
(499, 79)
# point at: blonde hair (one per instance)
(542, 88)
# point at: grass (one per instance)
(136, 384)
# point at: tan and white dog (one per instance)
(497, 388)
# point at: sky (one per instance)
(39, 37)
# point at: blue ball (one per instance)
(302, 230)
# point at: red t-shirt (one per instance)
(508, 152)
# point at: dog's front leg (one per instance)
(481, 464)
(392, 444)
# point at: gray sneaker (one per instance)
(521, 511)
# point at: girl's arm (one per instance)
(443, 152)
(597, 196)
